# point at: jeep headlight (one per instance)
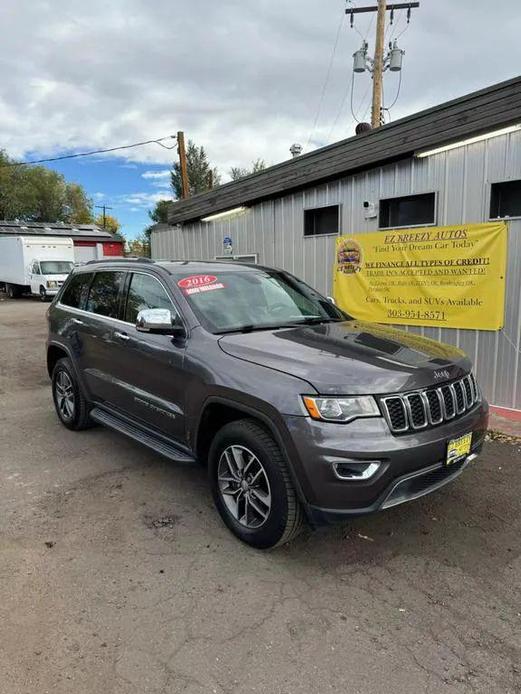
(52, 284)
(341, 409)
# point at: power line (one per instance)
(352, 90)
(97, 151)
(328, 74)
(353, 112)
(367, 108)
(397, 93)
(340, 110)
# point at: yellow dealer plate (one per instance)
(458, 448)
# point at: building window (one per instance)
(322, 220)
(408, 211)
(505, 199)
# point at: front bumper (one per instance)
(412, 465)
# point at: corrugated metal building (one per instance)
(289, 205)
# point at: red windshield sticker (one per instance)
(196, 281)
(204, 288)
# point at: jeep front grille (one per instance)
(426, 408)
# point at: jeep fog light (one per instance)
(356, 470)
(341, 409)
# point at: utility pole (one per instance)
(104, 208)
(381, 60)
(378, 74)
(185, 187)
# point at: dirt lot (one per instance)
(117, 576)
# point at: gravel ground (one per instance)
(117, 576)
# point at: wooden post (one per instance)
(185, 186)
(376, 116)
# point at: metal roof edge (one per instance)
(239, 192)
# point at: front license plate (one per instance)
(458, 448)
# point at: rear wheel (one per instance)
(251, 485)
(12, 291)
(71, 406)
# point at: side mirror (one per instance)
(159, 321)
(331, 300)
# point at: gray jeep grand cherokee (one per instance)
(298, 410)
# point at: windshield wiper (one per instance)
(316, 320)
(249, 328)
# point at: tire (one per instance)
(280, 517)
(43, 295)
(12, 291)
(75, 414)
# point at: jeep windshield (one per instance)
(236, 301)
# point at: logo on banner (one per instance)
(349, 257)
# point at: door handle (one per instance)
(122, 336)
(77, 321)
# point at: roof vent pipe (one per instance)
(362, 128)
(296, 150)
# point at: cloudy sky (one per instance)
(244, 78)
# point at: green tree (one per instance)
(139, 247)
(16, 196)
(78, 204)
(237, 172)
(38, 194)
(112, 225)
(159, 215)
(199, 169)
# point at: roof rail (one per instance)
(119, 260)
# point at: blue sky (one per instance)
(130, 188)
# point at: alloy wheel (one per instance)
(64, 392)
(244, 486)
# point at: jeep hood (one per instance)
(351, 357)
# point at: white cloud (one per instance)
(141, 200)
(165, 173)
(158, 179)
(96, 75)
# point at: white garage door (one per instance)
(82, 254)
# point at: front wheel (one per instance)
(251, 485)
(43, 294)
(71, 406)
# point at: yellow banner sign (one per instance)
(447, 277)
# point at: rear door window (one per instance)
(76, 289)
(104, 295)
(144, 292)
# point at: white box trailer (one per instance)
(35, 264)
